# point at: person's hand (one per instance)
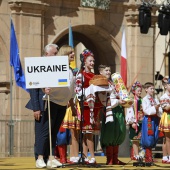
(47, 90)
(37, 115)
(134, 125)
(103, 92)
(140, 116)
(167, 107)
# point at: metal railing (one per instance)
(16, 138)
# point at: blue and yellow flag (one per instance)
(71, 43)
(62, 82)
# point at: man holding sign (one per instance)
(58, 100)
(36, 104)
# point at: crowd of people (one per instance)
(83, 105)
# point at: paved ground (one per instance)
(28, 163)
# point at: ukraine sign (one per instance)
(41, 72)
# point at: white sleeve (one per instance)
(160, 111)
(113, 100)
(147, 108)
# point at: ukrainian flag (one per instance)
(62, 82)
(71, 43)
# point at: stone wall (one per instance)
(39, 22)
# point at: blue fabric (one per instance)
(70, 37)
(36, 103)
(15, 60)
(149, 140)
(63, 138)
(57, 116)
(37, 130)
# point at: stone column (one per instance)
(140, 56)
(140, 47)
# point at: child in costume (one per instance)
(152, 112)
(113, 132)
(72, 122)
(91, 122)
(164, 125)
(134, 117)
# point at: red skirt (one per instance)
(87, 125)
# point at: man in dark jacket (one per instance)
(36, 104)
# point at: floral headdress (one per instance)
(135, 86)
(86, 53)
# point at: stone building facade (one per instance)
(39, 22)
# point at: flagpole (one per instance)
(123, 62)
(11, 128)
(19, 79)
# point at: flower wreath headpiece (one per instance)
(135, 86)
(86, 53)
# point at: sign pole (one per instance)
(49, 117)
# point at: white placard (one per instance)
(41, 72)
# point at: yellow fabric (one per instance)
(73, 64)
(164, 124)
(70, 121)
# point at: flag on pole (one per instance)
(123, 58)
(71, 43)
(70, 36)
(15, 59)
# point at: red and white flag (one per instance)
(123, 59)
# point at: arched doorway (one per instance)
(98, 41)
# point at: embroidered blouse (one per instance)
(164, 100)
(148, 103)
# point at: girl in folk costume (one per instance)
(112, 132)
(64, 135)
(91, 120)
(72, 121)
(152, 112)
(134, 117)
(164, 125)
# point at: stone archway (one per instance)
(98, 30)
(98, 41)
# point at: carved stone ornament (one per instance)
(100, 4)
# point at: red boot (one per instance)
(148, 155)
(109, 155)
(56, 153)
(116, 161)
(132, 156)
(63, 153)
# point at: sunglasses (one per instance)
(71, 52)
